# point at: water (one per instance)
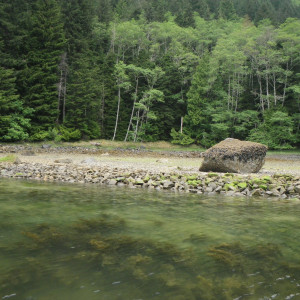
(88, 242)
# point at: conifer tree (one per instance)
(46, 42)
(201, 7)
(227, 10)
(265, 10)
(84, 96)
(198, 103)
(13, 122)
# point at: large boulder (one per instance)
(234, 156)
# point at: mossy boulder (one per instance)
(235, 156)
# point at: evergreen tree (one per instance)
(201, 7)
(84, 96)
(285, 10)
(198, 103)
(13, 121)
(46, 42)
(265, 10)
(227, 10)
(78, 18)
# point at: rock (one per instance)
(28, 153)
(234, 156)
(89, 161)
(212, 185)
(105, 154)
(112, 182)
(17, 161)
(96, 144)
(46, 146)
(63, 161)
(168, 184)
(218, 189)
(297, 189)
(257, 192)
(139, 181)
(163, 160)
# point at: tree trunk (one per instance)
(267, 91)
(132, 112)
(228, 94)
(274, 89)
(118, 110)
(62, 87)
(181, 125)
(137, 125)
(285, 84)
(59, 96)
(102, 110)
(260, 94)
(64, 103)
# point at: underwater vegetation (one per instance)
(105, 250)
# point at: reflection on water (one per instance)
(86, 242)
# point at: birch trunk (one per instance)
(132, 112)
(118, 110)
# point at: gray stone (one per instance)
(257, 192)
(208, 189)
(17, 161)
(218, 189)
(63, 161)
(112, 182)
(212, 185)
(28, 153)
(163, 160)
(89, 161)
(168, 184)
(105, 154)
(234, 156)
(139, 181)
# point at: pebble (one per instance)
(279, 186)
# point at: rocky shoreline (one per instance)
(95, 150)
(276, 185)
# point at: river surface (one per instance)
(92, 242)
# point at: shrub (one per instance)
(181, 138)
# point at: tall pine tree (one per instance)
(13, 121)
(46, 43)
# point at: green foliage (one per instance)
(8, 158)
(276, 132)
(227, 10)
(40, 136)
(84, 97)
(181, 138)
(14, 123)
(45, 46)
(69, 134)
(133, 69)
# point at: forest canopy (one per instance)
(187, 71)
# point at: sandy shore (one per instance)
(280, 177)
(155, 163)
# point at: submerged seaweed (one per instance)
(105, 256)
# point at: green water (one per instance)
(87, 242)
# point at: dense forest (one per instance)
(187, 71)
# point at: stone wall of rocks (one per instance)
(47, 148)
(279, 186)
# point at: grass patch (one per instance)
(8, 158)
(111, 145)
(283, 152)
